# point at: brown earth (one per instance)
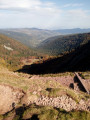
(9, 98)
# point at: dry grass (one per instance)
(24, 81)
(85, 75)
(38, 86)
(30, 85)
(11, 78)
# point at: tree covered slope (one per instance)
(78, 60)
(13, 51)
(63, 44)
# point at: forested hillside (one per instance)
(63, 44)
(12, 51)
(78, 60)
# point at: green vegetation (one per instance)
(63, 44)
(49, 113)
(75, 115)
(85, 75)
(56, 92)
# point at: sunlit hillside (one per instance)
(12, 51)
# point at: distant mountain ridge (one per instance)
(32, 37)
(29, 36)
(73, 31)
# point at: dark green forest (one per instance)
(63, 44)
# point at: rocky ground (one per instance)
(65, 102)
(63, 80)
(9, 98)
(26, 89)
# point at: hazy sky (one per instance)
(46, 14)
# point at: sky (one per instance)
(45, 14)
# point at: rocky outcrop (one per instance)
(84, 105)
(9, 98)
(64, 102)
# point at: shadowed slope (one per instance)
(78, 60)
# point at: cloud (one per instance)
(35, 13)
(76, 18)
(28, 5)
(31, 13)
(77, 13)
(72, 5)
(9, 4)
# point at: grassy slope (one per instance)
(27, 82)
(13, 57)
(85, 75)
(63, 44)
(23, 81)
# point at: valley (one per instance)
(39, 85)
(29, 36)
(33, 37)
(30, 94)
(44, 59)
(13, 52)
